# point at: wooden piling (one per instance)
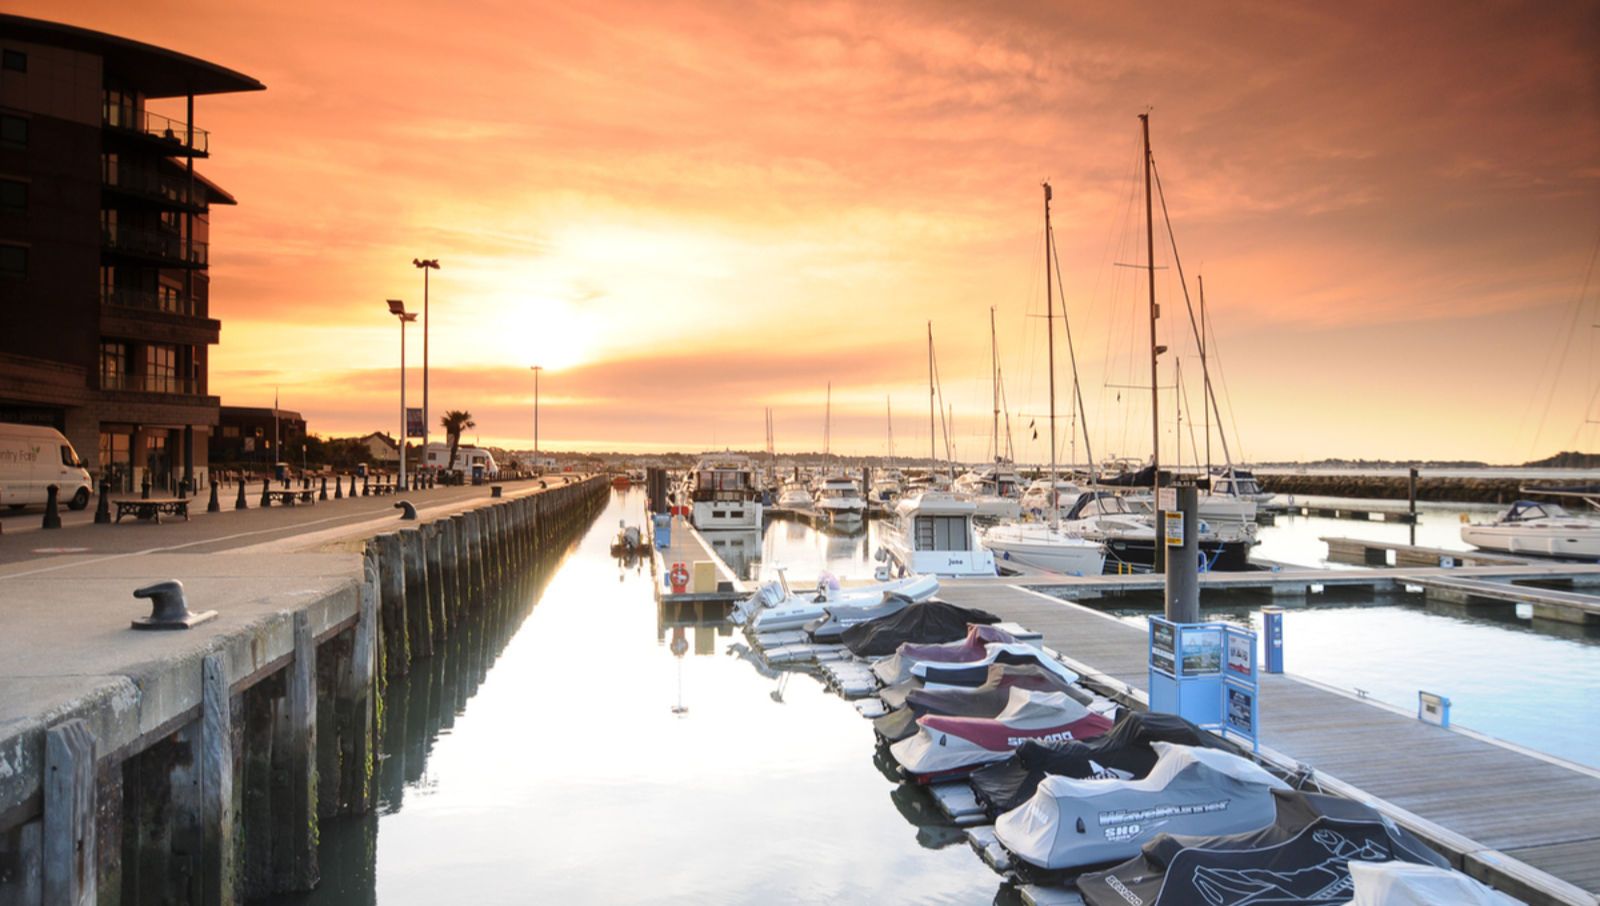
(392, 582)
(294, 772)
(69, 861)
(460, 571)
(419, 618)
(433, 547)
(22, 864)
(217, 880)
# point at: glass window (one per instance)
(13, 131)
(14, 260)
(108, 282)
(161, 368)
(169, 297)
(110, 168)
(118, 109)
(230, 430)
(13, 196)
(14, 60)
(113, 366)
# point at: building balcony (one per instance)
(160, 246)
(148, 301)
(171, 137)
(162, 385)
(168, 191)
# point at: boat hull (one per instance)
(1581, 542)
(715, 515)
(1138, 555)
(1056, 553)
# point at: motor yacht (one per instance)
(723, 494)
(1541, 529)
(838, 498)
(933, 533)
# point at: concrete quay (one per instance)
(194, 766)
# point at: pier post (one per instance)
(419, 616)
(458, 569)
(434, 548)
(294, 768)
(392, 581)
(22, 853)
(266, 492)
(1411, 499)
(358, 702)
(217, 881)
(1183, 562)
(69, 860)
(215, 504)
(475, 553)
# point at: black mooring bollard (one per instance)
(241, 503)
(102, 510)
(52, 511)
(324, 493)
(366, 486)
(338, 488)
(144, 487)
(215, 506)
(266, 492)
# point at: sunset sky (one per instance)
(688, 212)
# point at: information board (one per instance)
(413, 422)
(1207, 674)
(1174, 528)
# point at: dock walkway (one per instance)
(1495, 808)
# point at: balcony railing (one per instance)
(149, 383)
(148, 301)
(156, 186)
(154, 244)
(160, 127)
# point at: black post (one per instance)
(144, 487)
(52, 512)
(241, 504)
(1411, 495)
(266, 492)
(215, 506)
(102, 510)
(324, 494)
(338, 488)
(1180, 531)
(366, 486)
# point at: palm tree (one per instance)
(454, 422)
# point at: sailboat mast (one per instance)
(994, 383)
(888, 414)
(933, 456)
(1155, 313)
(1205, 374)
(1050, 333)
(827, 426)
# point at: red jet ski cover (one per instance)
(1026, 676)
(952, 746)
(1302, 857)
(930, 621)
(987, 700)
(896, 668)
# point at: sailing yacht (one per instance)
(1049, 546)
(1037, 501)
(994, 489)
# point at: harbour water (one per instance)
(564, 775)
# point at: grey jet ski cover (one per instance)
(922, 624)
(1123, 753)
(836, 619)
(1303, 856)
(1070, 823)
(987, 700)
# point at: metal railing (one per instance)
(149, 301)
(158, 186)
(157, 126)
(154, 243)
(149, 383)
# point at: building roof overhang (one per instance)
(155, 71)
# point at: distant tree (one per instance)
(454, 422)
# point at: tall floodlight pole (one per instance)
(398, 309)
(536, 369)
(427, 264)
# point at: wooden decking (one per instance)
(689, 547)
(1479, 800)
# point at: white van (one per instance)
(34, 457)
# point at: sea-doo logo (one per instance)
(1124, 892)
(1063, 736)
(1128, 816)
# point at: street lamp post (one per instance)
(536, 369)
(427, 264)
(398, 309)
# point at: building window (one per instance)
(110, 168)
(13, 196)
(13, 260)
(113, 366)
(108, 283)
(13, 131)
(14, 60)
(170, 298)
(161, 368)
(230, 430)
(119, 108)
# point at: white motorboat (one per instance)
(1043, 546)
(794, 496)
(995, 489)
(1036, 502)
(1129, 534)
(723, 493)
(887, 486)
(1235, 482)
(933, 533)
(838, 498)
(1541, 529)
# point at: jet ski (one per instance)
(773, 609)
(987, 700)
(948, 747)
(932, 622)
(1070, 823)
(1027, 675)
(836, 618)
(1302, 856)
(973, 672)
(1125, 753)
(1410, 884)
(896, 668)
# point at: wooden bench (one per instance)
(153, 508)
(290, 496)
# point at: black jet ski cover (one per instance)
(930, 622)
(987, 700)
(1124, 752)
(1302, 857)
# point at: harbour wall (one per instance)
(203, 775)
(1395, 487)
